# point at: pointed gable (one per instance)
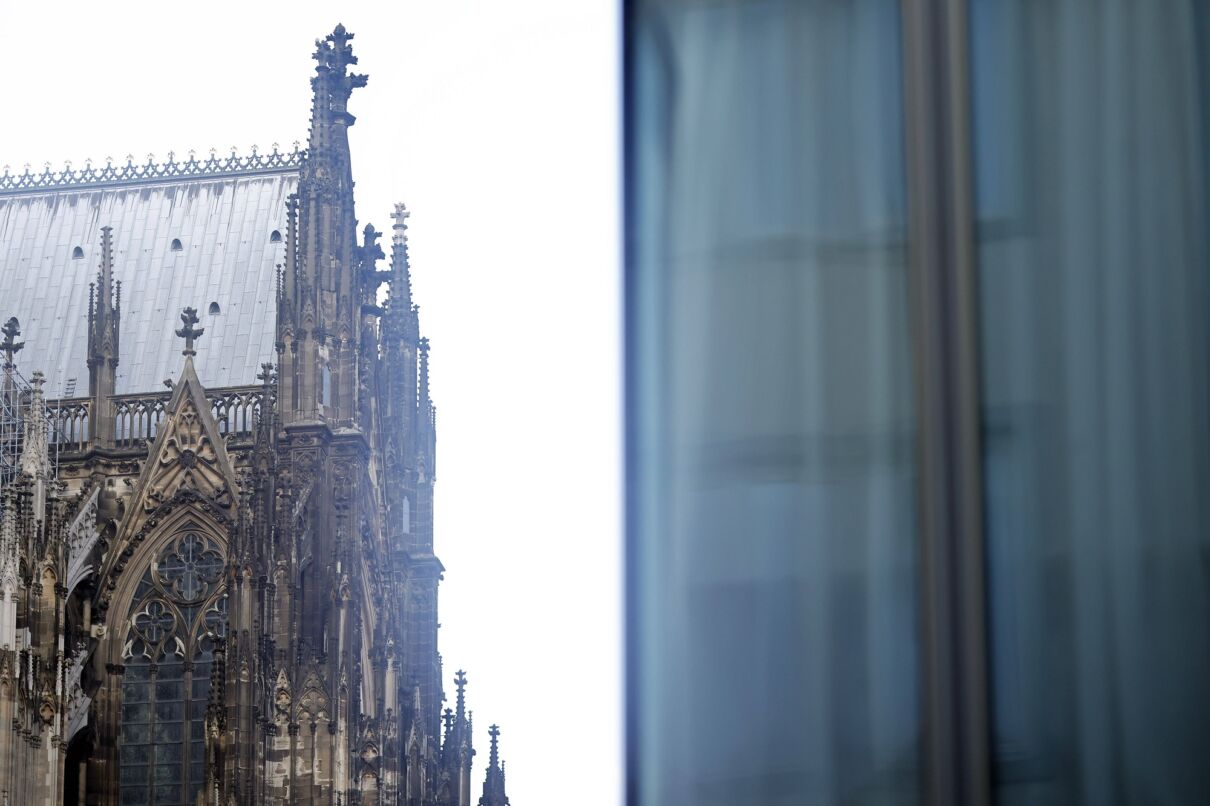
(188, 452)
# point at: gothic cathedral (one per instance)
(218, 582)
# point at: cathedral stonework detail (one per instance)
(218, 580)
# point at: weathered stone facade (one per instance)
(229, 595)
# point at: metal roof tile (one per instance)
(43, 286)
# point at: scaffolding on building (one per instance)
(16, 394)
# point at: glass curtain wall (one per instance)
(771, 467)
(1090, 142)
(774, 472)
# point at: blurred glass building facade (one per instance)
(918, 349)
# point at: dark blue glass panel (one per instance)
(1090, 137)
(772, 481)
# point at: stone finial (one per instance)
(10, 345)
(401, 216)
(265, 376)
(494, 733)
(188, 332)
(460, 700)
(370, 248)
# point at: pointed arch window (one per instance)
(275, 236)
(178, 610)
(176, 245)
(77, 253)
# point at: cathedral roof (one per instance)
(207, 234)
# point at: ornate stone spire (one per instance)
(320, 310)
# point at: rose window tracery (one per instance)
(191, 566)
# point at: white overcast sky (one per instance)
(496, 122)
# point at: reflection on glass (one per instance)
(1091, 140)
(773, 533)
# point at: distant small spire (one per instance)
(493, 783)
(399, 320)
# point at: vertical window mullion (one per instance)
(943, 300)
(153, 756)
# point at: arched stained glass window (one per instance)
(178, 609)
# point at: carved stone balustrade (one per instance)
(137, 417)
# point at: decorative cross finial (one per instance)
(460, 699)
(266, 374)
(494, 732)
(189, 332)
(401, 216)
(10, 345)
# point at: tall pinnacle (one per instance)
(104, 329)
(401, 273)
(105, 308)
